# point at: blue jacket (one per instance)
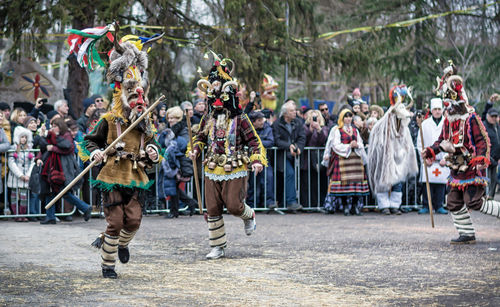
(266, 135)
(167, 178)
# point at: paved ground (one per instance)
(294, 260)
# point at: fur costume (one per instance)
(225, 132)
(123, 174)
(391, 154)
(466, 142)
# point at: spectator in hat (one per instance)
(263, 190)
(376, 111)
(98, 101)
(199, 111)
(356, 96)
(21, 162)
(160, 121)
(5, 108)
(88, 108)
(490, 120)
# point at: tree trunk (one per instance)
(77, 87)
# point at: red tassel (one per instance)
(430, 152)
(479, 160)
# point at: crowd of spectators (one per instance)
(311, 149)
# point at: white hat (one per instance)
(436, 103)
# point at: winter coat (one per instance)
(283, 139)
(182, 138)
(170, 165)
(314, 138)
(266, 135)
(82, 123)
(20, 163)
(65, 148)
(494, 134)
(4, 147)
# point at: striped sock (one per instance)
(216, 231)
(126, 237)
(247, 213)
(491, 207)
(109, 250)
(463, 222)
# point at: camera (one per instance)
(315, 118)
(43, 100)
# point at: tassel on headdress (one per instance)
(82, 43)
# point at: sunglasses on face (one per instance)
(348, 115)
(324, 109)
(99, 100)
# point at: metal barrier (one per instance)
(33, 210)
(310, 185)
(315, 176)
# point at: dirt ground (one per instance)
(307, 259)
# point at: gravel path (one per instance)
(307, 259)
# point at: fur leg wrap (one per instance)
(126, 237)
(491, 207)
(247, 213)
(463, 222)
(109, 251)
(216, 231)
(396, 198)
(383, 200)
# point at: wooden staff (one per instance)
(429, 200)
(195, 165)
(92, 163)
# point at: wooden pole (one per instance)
(92, 163)
(195, 165)
(429, 200)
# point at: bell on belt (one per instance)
(246, 159)
(135, 165)
(120, 146)
(211, 165)
(234, 163)
(222, 160)
(228, 167)
(117, 159)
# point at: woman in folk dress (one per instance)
(344, 153)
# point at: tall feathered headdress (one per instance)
(83, 43)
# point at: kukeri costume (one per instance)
(224, 131)
(122, 176)
(391, 155)
(467, 145)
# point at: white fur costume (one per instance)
(391, 155)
